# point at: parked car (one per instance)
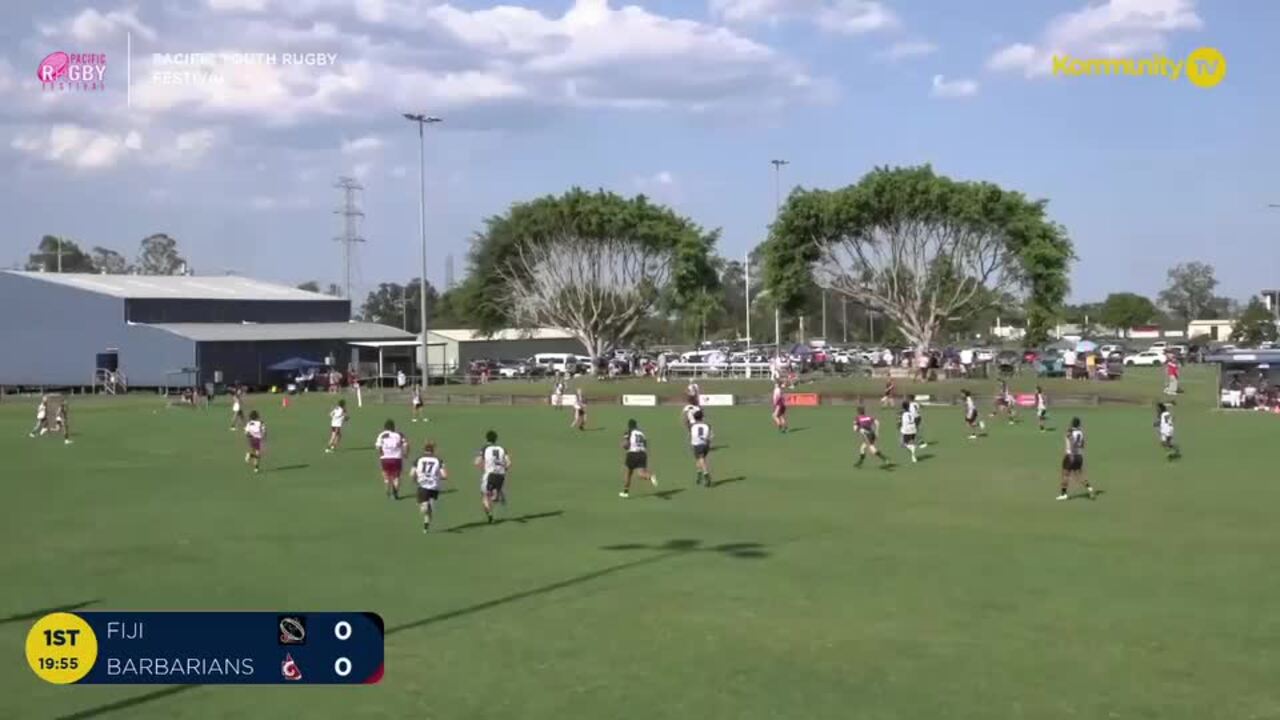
(1159, 345)
(1146, 358)
(983, 355)
(1050, 366)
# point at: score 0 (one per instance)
(342, 631)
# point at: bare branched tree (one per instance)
(919, 273)
(599, 290)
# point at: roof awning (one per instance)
(266, 332)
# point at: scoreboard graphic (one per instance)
(207, 648)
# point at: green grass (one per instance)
(956, 588)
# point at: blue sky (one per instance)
(686, 101)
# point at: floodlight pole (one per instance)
(777, 209)
(423, 121)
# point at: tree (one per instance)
(158, 255)
(1125, 310)
(46, 257)
(919, 248)
(593, 263)
(106, 260)
(1255, 326)
(1190, 292)
(398, 305)
(333, 290)
(310, 286)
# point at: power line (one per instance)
(351, 216)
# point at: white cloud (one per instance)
(664, 178)
(75, 147)
(237, 5)
(1113, 28)
(851, 17)
(83, 148)
(961, 88)
(89, 26)
(367, 143)
(908, 49)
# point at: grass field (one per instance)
(797, 588)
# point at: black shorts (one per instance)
(700, 450)
(494, 482)
(971, 418)
(1073, 463)
(425, 495)
(637, 461)
(1042, 413)
(908, 439)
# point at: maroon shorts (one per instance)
(391, 467)
(255, 444)
(779, 410)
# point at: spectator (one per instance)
(1069, 362)
(401, 380)
(966, 362)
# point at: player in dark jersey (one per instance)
(62, 421)
(1073, 461)
(868, 428)
(779, 408)
(890, 388)
(1004, 402)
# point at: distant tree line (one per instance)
(157, 255)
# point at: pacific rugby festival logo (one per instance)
(82, 72)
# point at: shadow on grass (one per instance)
(288, 468)
(1085, 495)
(727, 481)
(522, 519)
(667, 494)
(127, 703)
(795, 430)
(32, 615)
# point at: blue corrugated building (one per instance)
(59, 329)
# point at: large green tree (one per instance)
(1125, 310)
(1189, 295)
(55, 254)
(398, 305)
(110, 262)
(593, 263)
(920, 248)
(158, 255)
(1255, 326)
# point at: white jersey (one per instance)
(255, 429)
(1041, 403)
(908, 423)
(636, 442)
(914, 409)
(970, 407)
(235, 404)
(495, 460)
(579, 402)
(688, 412)
(428, 471)
(42, 412)
(700, 434)
(417, 398)
(1166, 424)
(693, 390)
(337, 418)
(390, 445)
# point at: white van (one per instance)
(557, 362)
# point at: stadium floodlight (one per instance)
(422, 121)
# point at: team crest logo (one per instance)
(293, 630)
(289, 669)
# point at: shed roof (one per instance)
(175, 287)
(242, 332)
(503, 335)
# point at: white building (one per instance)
(1217, 330)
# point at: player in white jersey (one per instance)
(237, 408)
(337, 418)
(42, 417)
(1164, 421)
(700, 437)
(256, 432)
(579, 411)
(636, 460)
(907, 428)
(1073, 461)
(557, 395)
(495, 463)
(415, 401)
(1042, 408)
(914, 406)
(975, 423)
(391, 447)
(687, 413)
(693, 394)
(428, 472)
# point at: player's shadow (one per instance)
(796, 430)
(45, 611)
(924, 457)
(728, 481)
(1085, 495)
(668, 551)
(288, 468)
(668, 494)
(521, 519)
